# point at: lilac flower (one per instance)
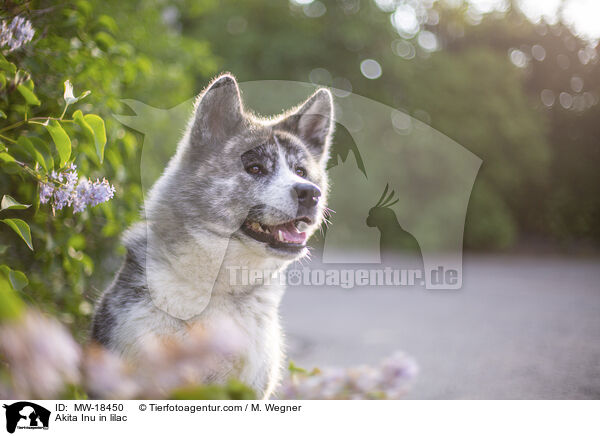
(41, 365)
(56, 176)
(62, 198)
(66, 189)
(101, 192)
(161, 365)
(395, 370)
(46, 191)
(388, 380)
(71, 175)
(82, 196)
(16, 33)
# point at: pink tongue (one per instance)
(290, 233)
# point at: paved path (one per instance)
(526, 328)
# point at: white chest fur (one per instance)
(183, 282)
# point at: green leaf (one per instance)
(293, 369)
(8, 163)
(87, 129)
(21, 228)
(28, 95)
(11, 167)
(5, 157)
(104, 40)
(28, 83)
(7, 66)
(97, 125)
(11, 306)
(10, 203)
(17, 279)
(2, 114)
(61, 140)
(3, 249)
(27, 145)
(42, 148)
(77, 241)
(109, 23)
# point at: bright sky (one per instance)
(582, 15)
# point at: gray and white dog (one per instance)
(240, 192)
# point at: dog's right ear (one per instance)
(312, 122)
(218, 111)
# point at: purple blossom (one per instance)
(388, 380)
(82, 196)
(16, 33)
(56, 176)
(101, 191)
(46, 191)
(66, 189)
(71, 175)
(62, 198)
(162, 365)
(40, 366)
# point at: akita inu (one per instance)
(240, 192)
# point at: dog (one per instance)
(241, 191)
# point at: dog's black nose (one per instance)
(308, 194)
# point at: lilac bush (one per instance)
(46, 366)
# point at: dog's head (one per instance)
(261, 181)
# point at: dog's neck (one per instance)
(184, 274)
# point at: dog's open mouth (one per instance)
(285, 235)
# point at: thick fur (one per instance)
(176, 271)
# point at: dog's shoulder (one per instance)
(129, 288)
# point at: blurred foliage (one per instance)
(233, 390)
(102, 46)
(539, 179)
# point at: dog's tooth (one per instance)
(280, 235)
(301, 226)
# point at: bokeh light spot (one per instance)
(370, 68)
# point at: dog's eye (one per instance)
(255, 169)
(300, 172)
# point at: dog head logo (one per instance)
(26, 415)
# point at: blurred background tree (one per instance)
(523, 96)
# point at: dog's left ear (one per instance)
(218, 112)
(312, 122)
